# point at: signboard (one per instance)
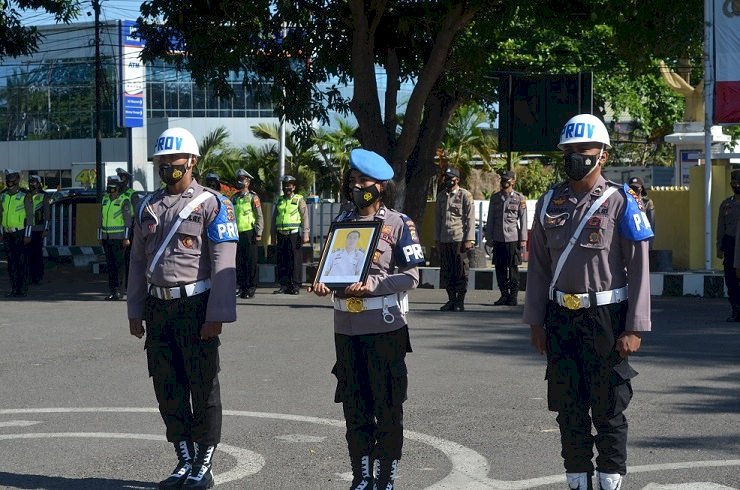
(131, 110)
(533, 109)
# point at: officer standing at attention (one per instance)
(506, 230)
(16, 219)
(727, 221)
(454, 235)
(182, 284)
(113, 232)
(290, 230)
(638, 186)
(127, 191)
(371, 335)
(588, 302)
(41, 218)
(251, 223)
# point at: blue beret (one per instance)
(371, 164)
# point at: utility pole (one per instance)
(99, 184)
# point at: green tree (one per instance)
(19, 40)
(450, 49)
(466, 140)
(334, 148)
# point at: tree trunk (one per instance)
(421, 167)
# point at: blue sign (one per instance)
(131, 109)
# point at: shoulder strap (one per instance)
(545, 203)
(571, 243)
(184, 213)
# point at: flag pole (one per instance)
(708, 117)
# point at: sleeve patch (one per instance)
(223, 227)
(408, 249)
(634, 225)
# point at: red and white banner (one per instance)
(727, 61)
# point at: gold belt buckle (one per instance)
(355, 305)
(571, 301)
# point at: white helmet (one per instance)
(176, 140)
(584, 128)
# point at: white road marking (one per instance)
(688, 486)
(247, 462)
(300, 438)
(19, 423)
(469, 469)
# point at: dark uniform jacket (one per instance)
(398, 247)
(507, 218)
(455, 216)
(611, 251)
(204, 247)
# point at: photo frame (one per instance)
(348, 253)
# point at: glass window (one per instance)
(212, 103)
(239, 100)
(199, 101)
(185, 91)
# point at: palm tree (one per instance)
(465, 140)
(335, 147)
(302, 160)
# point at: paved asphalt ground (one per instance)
(77, 410)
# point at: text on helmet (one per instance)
(578, 130)
(168, 143)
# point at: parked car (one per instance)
(67, 192)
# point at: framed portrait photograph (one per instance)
(348, 253)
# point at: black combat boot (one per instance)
(459, 304)
(362, 475)
(450, 301)
(387, 471)
(503, 300)
(513, 300)
(735, 315)
(200, 476)
(184, 450)
(114, 295)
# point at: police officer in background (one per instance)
(250, 222)
(506, 230)
(727, 221)
(638, 186)
(182, 284)
(588, 302)
(114, 226)
(371, 335)
(213, 181)
(16, 219)
(290, 229)
(454, 235)
(127, 191)
(41, 218)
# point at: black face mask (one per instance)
(637, 190)
(287, 190)
(10, 184)
(240, 185)
(736, 188)
(577, 165)
(365, 196)
(171, 174)
(449, 183)
(111, 190)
